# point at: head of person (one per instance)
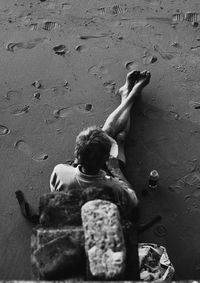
(92, 149)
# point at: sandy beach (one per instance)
(62, 63)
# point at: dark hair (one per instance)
(92, 148)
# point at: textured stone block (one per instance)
(58, 253)
(104, 241)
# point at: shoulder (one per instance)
(62, 177)
(64, 168)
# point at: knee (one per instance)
(121, 137)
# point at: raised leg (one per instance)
(118, 122)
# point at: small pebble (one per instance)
(195, 24)
(153, 59)
(37, 95)
(88, 106)
(175, 44)
(79, 48)
(177, 116)
(37, 84)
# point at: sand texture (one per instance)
(61, 65)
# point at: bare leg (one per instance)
(118, 123)
(118, 119)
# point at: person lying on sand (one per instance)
(94, 146)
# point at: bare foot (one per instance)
(131, 78)
(142, 81)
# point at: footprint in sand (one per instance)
(178, 17)
(20, 110)
(66, 111)
(4, 130)
(131, 65)
(34, 26)
(47, 25)
(172, 115)
(151, 114)
(110, 86)
(192, 17)
(115, 10)
(66, 6)
(98, 70)
(80, 48)
(165, 55)
(195, 104)
(60, 49)
(50, 25)
(14, 46)
(26, 149)
(11, 93)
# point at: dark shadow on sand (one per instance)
(166, 142)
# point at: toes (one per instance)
(133, 74)
(143, 74)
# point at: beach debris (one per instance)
(88, 107)
(154, 263)
(37, 84)
(104, 241)
(4, 130)
(60, 49)
(175, 44)
(40, 157)
(20, 111)
(153, 179)
(66, 84)
(36, 95)
(160, 230)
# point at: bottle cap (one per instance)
(154, 175)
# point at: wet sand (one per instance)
(61, 65)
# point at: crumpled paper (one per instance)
(154, 263)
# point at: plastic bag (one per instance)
(154, 263)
